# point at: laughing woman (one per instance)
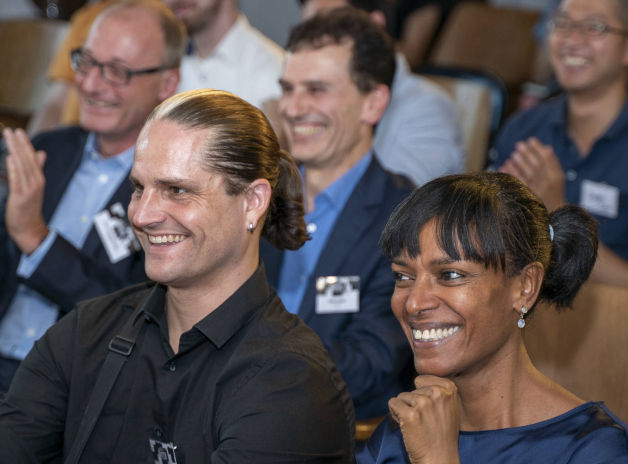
(472, 255)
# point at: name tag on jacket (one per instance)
(115, 233)
(337, 294)
(598, 198)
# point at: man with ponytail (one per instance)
(214, 369)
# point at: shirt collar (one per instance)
(337, 193)
(620, 125)
(230, 45)
(222, 323)
(123, 159)
(557, 118)
(557, 114)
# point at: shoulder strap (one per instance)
(120, 348)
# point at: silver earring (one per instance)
(521, 323)
(251, 227)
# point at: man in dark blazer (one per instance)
(64, 235)
(333, 94)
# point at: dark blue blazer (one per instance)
(67, 275)
(368, 347)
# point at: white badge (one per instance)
(163, 453)
(115, 233)
(337, 294)
(598, 198)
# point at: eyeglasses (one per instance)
(114, 73)
(590, 28)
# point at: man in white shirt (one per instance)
(225, 52)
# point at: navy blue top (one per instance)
(588, 434)
(607, 163)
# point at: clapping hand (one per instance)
(23, 216)
(536, 165)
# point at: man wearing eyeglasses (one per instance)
(572, 149)
(64, 235)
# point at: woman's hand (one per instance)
(429, 418)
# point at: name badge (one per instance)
(163, 453)
(115, 233)
(337, 294)
(598, 198)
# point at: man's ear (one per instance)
(257, 201)
(375, 104)
(169, 83)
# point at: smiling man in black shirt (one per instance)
(220, 371)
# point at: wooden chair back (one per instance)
(484, 37)
(28, 46)
(480, 100)
(585, 349)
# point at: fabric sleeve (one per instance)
(28, 263)
(603, 441)
(505, 143)
(67, 275)
(32, 413)
(290, 409)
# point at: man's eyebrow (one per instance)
(178, 181)
(311, 82)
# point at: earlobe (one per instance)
(257, 201)
(375, 104)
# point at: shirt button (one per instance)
(571, 175)
(103, 178)
(172, 366)
(30, 333)
(311, 228)
(83, 218)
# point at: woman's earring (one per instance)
(251, 227)
(521, 323)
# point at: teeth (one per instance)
(575, 60)
(434, 334)
(99, 103)
(306, 130)
(157, 239)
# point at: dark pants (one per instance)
(7, 371)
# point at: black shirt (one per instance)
(250, 383)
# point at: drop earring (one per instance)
(521, 323)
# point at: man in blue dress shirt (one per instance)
(335, 88)
(64, 235)
(572, 149)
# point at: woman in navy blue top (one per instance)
(472, 254)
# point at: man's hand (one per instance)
(536, 165)
(429, 418)
(23, 217)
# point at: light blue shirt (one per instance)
(298, 265)
(95, 181)
(419, 135)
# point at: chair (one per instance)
(585, 349)
(27, 48)
(480, 99)
(488, 38)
